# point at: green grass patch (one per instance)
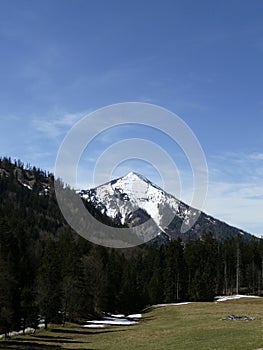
(193, 326)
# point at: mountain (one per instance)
(27, 195)
(133, 200)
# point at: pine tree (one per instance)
(8, 313)
(29, 309)
(174, 287)
(48, 285)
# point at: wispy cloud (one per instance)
(256, 156)
(255, 197)
(53, 128)
(238, 204)
(235, 192)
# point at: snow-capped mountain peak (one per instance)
(120, 198)
(135, 178)
(133, 200)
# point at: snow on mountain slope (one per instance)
(133, 199)
(120, 198)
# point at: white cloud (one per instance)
(237, 204)
(256, 156)
(53, 128)
(235, 192)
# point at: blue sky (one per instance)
(203, 60)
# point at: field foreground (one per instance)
(192, 326)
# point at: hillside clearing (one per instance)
(189, 326)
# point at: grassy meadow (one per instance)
(193, 326)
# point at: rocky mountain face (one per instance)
(133, 200)
(31, 178)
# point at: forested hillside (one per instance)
(47, 271)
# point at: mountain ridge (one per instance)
(121, 205)
(122, 198)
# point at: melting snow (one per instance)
(27, 186)
(135, 316)
(95, 326)
(234, 297)
(27, 330)
(118, 315)
(124, 195)
(172, 304)
(114, 320)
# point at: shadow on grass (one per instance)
(35, 342)
(88, 332)
(42, 336)
(25, 345)
(146, 313)
(53, 339)
(148, 309)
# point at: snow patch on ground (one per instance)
(95, 325)
(135, 316)
(172, 304)
(28, 330)
(11, 334)
(114, 320)
(27, 186)
(118, 315)
(234, 297)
